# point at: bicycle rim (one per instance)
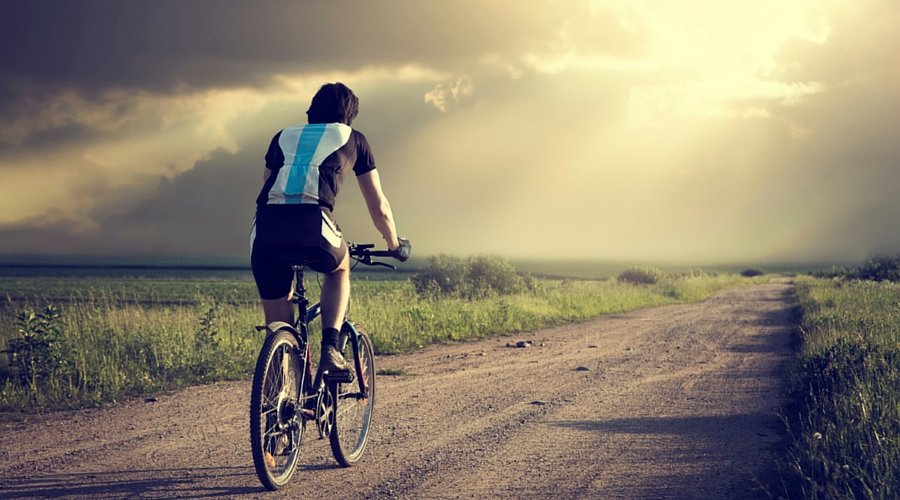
(276, 426)
(353, 409)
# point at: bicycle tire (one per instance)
(353, 413)
(275, 421)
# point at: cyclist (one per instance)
(305, 167)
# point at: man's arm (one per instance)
(379, 208)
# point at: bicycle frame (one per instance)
(306, 314)
(339, 404)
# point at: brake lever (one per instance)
(383, 264)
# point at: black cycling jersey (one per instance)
(308, 163)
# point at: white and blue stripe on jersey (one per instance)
(305, 148)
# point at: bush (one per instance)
(641, 276)
(488, 275)
(445, 275)
(751, 272)
(834, 272)
(880, 268)
(39, 355)
(473, 278)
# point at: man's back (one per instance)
(309, 163)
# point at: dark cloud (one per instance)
(205, 210)
(53, 137)
(848, 162)
(851, 162)
(53, 239)
(161, 45)
(96, 48)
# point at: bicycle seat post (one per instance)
(299, 295)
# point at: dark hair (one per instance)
(333, 103)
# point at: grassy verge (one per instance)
(844, 421)
(399, 321)
(110, 337)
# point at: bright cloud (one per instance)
(449, 93)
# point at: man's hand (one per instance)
(403, 251)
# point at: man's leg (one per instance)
(336, 295)
(272, 278)
(334, 300)
(279, 310)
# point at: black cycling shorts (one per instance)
(283, 235)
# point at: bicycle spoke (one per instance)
(354, 406)
(274, 437)
(271, 430)
(268, 401)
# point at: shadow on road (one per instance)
(162, 483)
(713, 446)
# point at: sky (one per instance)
(681, 130)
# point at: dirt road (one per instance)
(671, 402)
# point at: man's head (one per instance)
(333, 103)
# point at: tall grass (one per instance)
(112, 341)
(399, 320)
(110, 348)
(844, 421)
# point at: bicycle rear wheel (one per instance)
(276, 425)
(354, 402)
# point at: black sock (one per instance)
(330, 337)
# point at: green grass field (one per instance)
(844, 420)
(116, 336)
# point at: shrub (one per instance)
(473, 278)
(834, 272)
(489, 275)
(641, 276)
(694, 273)
(880, 268)
(39, 355)
(751, 272)
(445, 275)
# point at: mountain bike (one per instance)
(286, 395)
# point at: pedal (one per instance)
(340, 376)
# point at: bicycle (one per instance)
(285, 394)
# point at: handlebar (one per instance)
(363, 254)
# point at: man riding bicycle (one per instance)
(305, 167)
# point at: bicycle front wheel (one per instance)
(354, 403)
(276, 424)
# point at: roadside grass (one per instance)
(111, 337)
(844, 416)
(400, 321)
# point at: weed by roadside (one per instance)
(92, 352)
(844, 416)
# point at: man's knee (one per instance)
(343, 266)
